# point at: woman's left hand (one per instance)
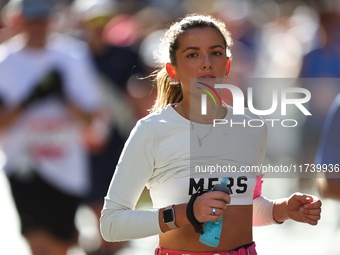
(304, 208)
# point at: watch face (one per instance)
(168, 215)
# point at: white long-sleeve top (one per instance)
(162, 153)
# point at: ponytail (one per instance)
(168, 92)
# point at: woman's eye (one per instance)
(192, 55)
(217, 53)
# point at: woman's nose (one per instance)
(206, 62)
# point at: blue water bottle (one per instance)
(212, 229)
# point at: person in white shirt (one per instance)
(169, 149)
(47, 93)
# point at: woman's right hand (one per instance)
(203, 205)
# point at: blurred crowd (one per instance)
(74, 81)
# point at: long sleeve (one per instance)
(263, 212)
(119, 221)
(262, 207)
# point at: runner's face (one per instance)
(36, 31)
(201, 54)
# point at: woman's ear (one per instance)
(227, 69)
(171, 71)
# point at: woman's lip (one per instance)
(207, 76)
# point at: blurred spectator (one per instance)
(329, 153)
(45, 94)
(322, 62)
(325, 60)
(117, 66)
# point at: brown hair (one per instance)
(169, 92)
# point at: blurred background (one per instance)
(282, 39)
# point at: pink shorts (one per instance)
(250, 250)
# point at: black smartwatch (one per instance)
(169, 217)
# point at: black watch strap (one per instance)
(198, 226)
